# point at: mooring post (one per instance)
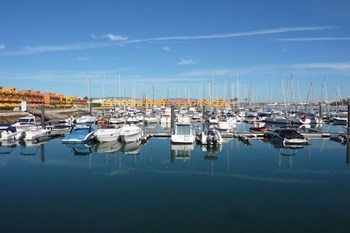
(42, 115)
(42, 153)
(172, 119)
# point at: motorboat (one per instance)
(87, 119)
(59, 129)
(151, 119)
(213, 120)
(24, 123)
(276, 119)
(107, 134)
(130, 133)
(7, 132)
(287, 136)
(183, 133)
(340, 120)
(132, 120)
(260, 128)
(228, 124)
(80, 133)
(117, 120)
(211, 137)
(299, 120)
(33, 134)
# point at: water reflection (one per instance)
(130, 148)
(6, 147)
(108, 147)
(181, 151)
(80, 149)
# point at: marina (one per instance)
(242, 183)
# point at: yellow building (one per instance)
(9, 97)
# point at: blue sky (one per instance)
(274, 50)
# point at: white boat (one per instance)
(210, 137)
(117, 120)
(166, 117)
(132, 120)
(287, 136)
(340, 120)
(227, 125)
(86, 119)
(276, 119)
(59, 129)
(299, 120)
(7, 132)
(33, 134)
(150, 119)
(213, 120)
(183, 133)
(130, 133)
(24, 123)
(107, 134)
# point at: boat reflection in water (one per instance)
(79, 149)
(211, 155)
(130, 148)
(6, 147)
(181, 151)
(286, 151)
(110, 147)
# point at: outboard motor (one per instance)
(22, 136)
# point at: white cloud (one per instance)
(315, 39)
(333, 66)
(111, 37)
(115, 37)
(235, 34)
(186, 61)
(46, 49)
(166, 48)
(2, 46)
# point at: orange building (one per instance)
(33, 98)
(11, 98)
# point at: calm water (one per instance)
(158, 188)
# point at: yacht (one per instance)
(24, 123)
(183, 133)
(130, 133)
(107, 134)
